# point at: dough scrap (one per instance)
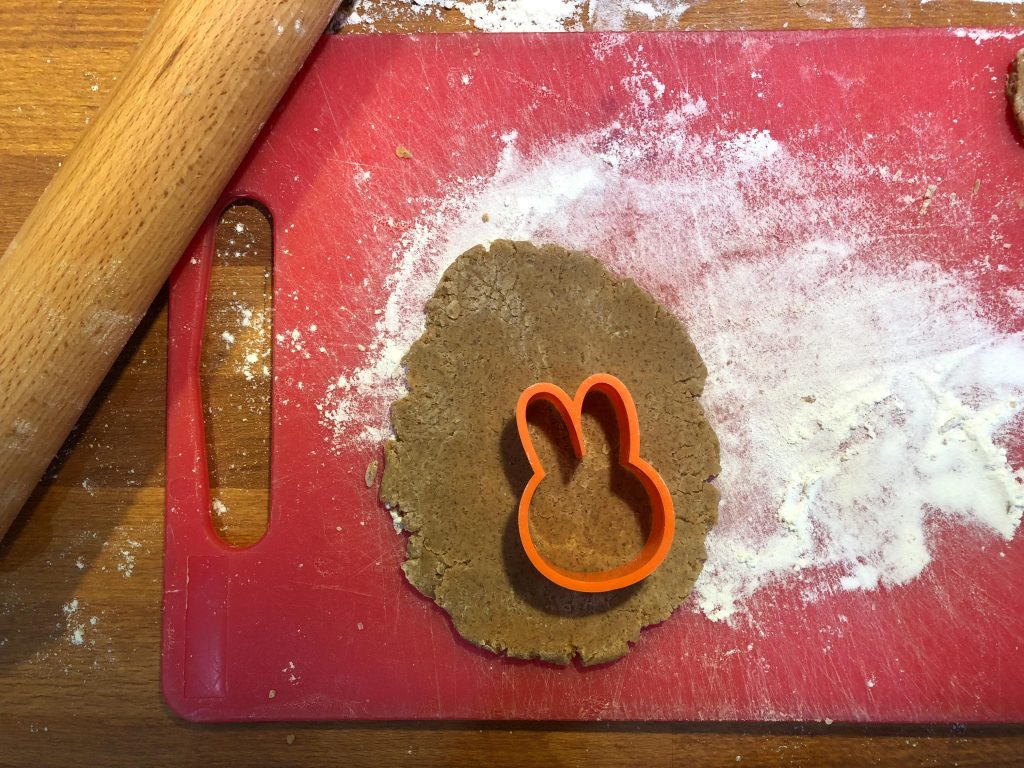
(500, 320)
(1014, 89)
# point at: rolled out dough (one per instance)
(500, 320)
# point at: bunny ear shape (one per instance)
(566, 408)
(659, 541)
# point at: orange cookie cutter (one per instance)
(662, 515)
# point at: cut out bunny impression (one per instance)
(662, 528)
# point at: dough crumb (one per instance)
(403, 152)
(371, 473)
(290, 738)
(929, 193)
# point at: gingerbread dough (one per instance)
(500, 320)
(1015, 89)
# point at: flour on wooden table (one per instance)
(527, 15)
(575, 15)
(600, 15)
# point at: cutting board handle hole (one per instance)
(236, 372)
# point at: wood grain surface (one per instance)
(113, 221)
(80, 572)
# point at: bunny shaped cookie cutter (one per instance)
(659, 540)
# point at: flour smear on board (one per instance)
(856, 387)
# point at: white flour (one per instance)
(859, 392)
(75, 624)
(613, 14)
(576, 15)
(526, 15)
(494, 16)
(598, 15)
(979, 36)
(521, 15)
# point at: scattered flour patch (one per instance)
(645, 9)
(521, 15)
(980, 36)
(73, 623)
(1016, 298)
(852, 12)
(251, 332)
(888, 405)
(293, 340)
(525, 15)
(612, 15)
(126, 563)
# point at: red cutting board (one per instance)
(319, 611)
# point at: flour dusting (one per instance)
(596, 15)
(489, 16)
(869, 397)
(861, 393)
(579, 15)
(525, 15)
(981, 35)
(521, 15)
(75, 625)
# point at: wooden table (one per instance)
(80, 572)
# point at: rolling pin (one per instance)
(82, 270)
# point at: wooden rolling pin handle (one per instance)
(105, 234)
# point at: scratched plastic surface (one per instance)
(326, 619)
